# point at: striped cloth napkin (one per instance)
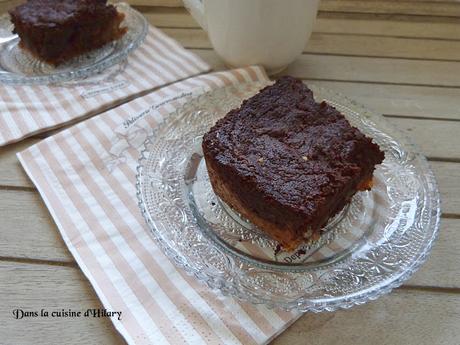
(27, 110)
(86, 176)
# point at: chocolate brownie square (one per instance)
(55, 31)
(287, 163)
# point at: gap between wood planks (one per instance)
(18, 188)
(39, 261)
(412, 117)
(450, 216)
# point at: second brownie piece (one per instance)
(288, 163)
(57, 30)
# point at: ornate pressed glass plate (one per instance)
(378, 241)
(18, 67)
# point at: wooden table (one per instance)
(401, 58)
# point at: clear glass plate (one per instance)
(378, 241)
(18, 67)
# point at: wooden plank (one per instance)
(376, 70)
(396, 47)
(448, 177)
(353, 45)
(442, 264)
(32, 235)
(448, 9)
(408, 314)
(33, 287)
(27, 229)
(11, 172)
(388, 27)
(402, 100)
(190, 38)
(436, 139)
(388, 16)
(363, 69)
(171, 17)
(403, 317)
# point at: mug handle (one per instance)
(196, 9)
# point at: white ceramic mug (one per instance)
(271, 33)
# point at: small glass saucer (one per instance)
(18, 67)
(378, 241)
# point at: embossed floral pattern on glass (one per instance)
(372, 246)
(20, 68)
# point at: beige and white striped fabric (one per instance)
(86, 176)
(27, 110)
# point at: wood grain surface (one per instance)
(398, 58)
